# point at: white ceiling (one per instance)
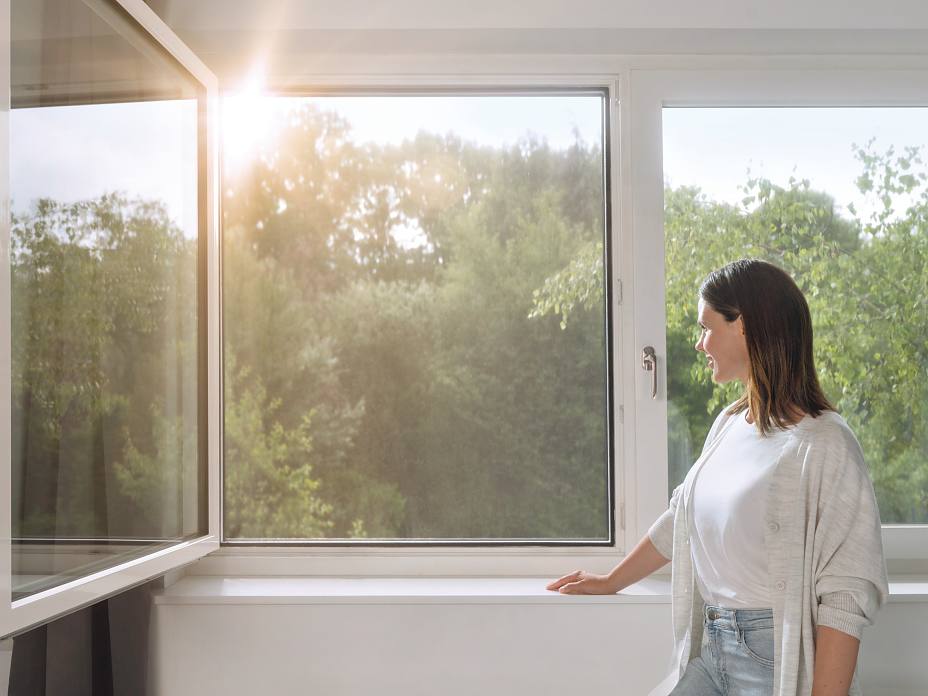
(228, 34)
(255, 15)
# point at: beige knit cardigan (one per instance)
(824, 550)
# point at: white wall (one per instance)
(451, 650)
(461, 649)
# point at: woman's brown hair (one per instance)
(778, 332)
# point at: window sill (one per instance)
(199, 590)
(225, 590)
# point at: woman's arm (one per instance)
(639, 564)
(835, 660)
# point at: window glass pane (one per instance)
(104, 188)
(839, 198)
(415, 330)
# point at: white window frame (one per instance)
(412, 558)
(17, 616)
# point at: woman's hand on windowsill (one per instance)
(581, 582)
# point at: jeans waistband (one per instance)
(737, 617)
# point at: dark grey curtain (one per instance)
(98, 651)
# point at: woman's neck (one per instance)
(796, 414)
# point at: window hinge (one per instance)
(618, 291)
(622, 516)
(621, 414)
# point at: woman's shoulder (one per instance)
(824, 426)
(829, 436)
(827, 429)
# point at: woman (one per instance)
(774, 535)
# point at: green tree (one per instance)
(516, 434)
(103, 326)
(286, 364)
(416, 275)
(270, 491)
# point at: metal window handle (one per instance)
(649, 363)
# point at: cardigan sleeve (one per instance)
(661, 532)
(840, 611)
(850, 573)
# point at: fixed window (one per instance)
(838, 197)
(416, 332)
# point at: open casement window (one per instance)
(109, 416)
(823, 174)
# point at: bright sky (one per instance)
(72, 153)
(497, 120)
(713, 148)
(147, 149)
(494, 120)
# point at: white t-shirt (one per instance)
(727, 538)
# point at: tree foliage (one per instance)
(102, 313)
(414, 264)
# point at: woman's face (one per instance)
(724, 345)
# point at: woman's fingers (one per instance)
(570, 577)
(571, 588)
(580, 582)
(561, 581)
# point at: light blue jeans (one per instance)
(736, 658)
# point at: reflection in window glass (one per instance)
(414, 322)
(103, 162)
(839, 198)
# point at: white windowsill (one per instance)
(223, 590)
(198, 590)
